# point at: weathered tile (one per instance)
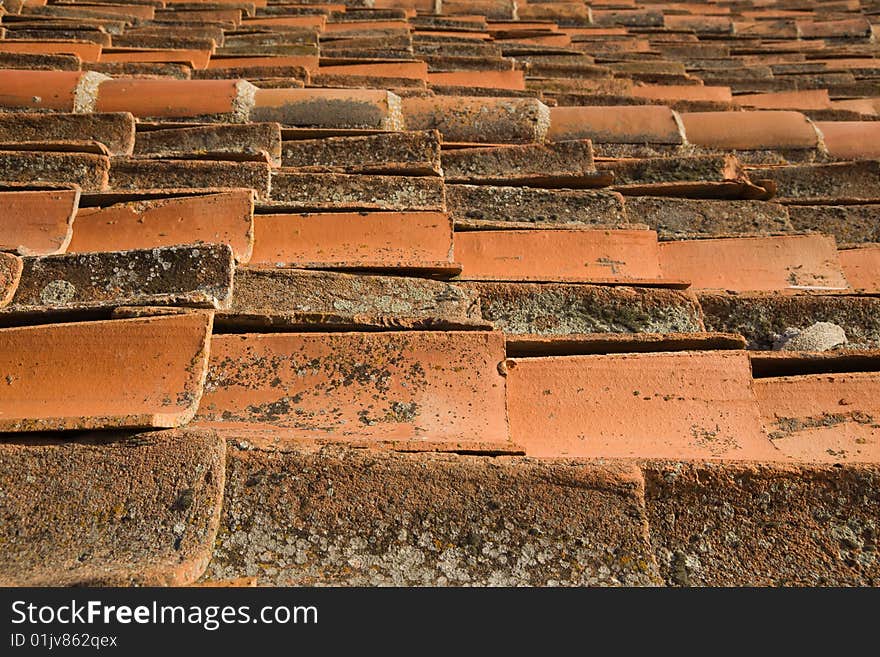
(723, 524)
(194, 275)
(252, 141)
(568, 308)
(575, 510)
(352, 239)
(71, 519)
(127, 373)
(861, 267)
(88, 171)
(587, 256)
(823, 418)
(748, 264)
(305, 191)
(142, 174)
(10, 276)
(291, 290)
(688, 405)
(839, 180)
(848, 224)
(329, 108)
(479, 120)
(37, 221)
(401, 153)
(763, 318)
(375, 387)
(562, 164)
(469, 203)
(223, 217)
(114, 130)
(687, 218)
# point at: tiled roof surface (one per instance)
(439, 292)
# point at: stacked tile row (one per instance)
(276, 261)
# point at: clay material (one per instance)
(154, 526)
(83, 376)
(37, 222)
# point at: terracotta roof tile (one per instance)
(37, 222)
(456, 213)
(169, 353)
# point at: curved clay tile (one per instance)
(749, 131)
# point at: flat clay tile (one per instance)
(797, 262)
(827, 182)
(602, 256)
(331, 108)
(88, 171)
(289, 291)
(227, 100)
(476, 203)
(683, 405)
(63, 91)
(10, 275)
(217, 218)
(652, 124)
(570, 308)
(337, 191)
(351, 239)
(37, 222)
(85, 50)
(848, 224)
(689, 218)
(407, 153)
(79, 376)
(822, 418)
(689, 503)
(413, 386)
(862, 267)
(479, 120)
(154, 526)
(114, 130)
(192, 275)
(560, 164)
(34, 61)
(142, 174)
(750, 130)
(578, 508)
(256, 141)
(851, 140)
(764, 318)
(806, 99)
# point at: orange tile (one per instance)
(862, 267)
(316, 22)
(751, 264)
(220, 218)
(10, 275)
(37, 222)
(851, 140)
(338, 108)
(191, 57)
(402, 386)
(749, 130)
(692, 92)
(170, 98)
(484, 79)
(823, 418)
(94, 375)
(629, 124)
(684, 405)
(85, 50)
(352, 238)
(809, 99)
(308, 62)
(408, 70)
(48, 90)
(558, 255)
